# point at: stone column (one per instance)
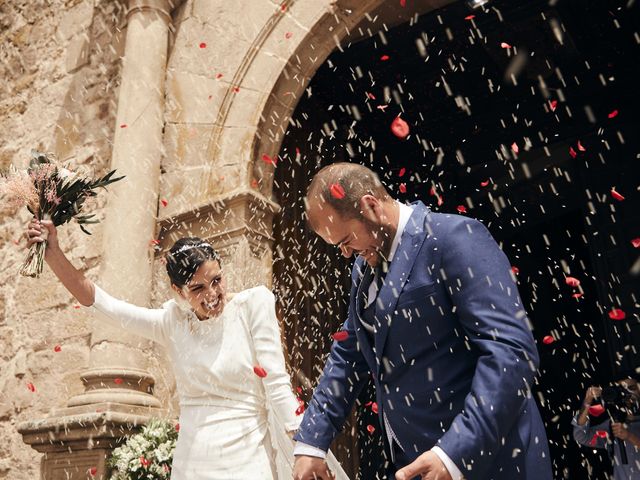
(118, 395)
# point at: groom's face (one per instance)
(368, 238)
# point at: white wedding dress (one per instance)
(233, 424)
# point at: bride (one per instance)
(237, 408)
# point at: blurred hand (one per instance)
(592, 393)
(39, 231)
(428, 466)
(311, 468)
(620, 431)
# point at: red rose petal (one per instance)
(267, 159)
(124, 125)
(144, 462)
(636, 242)
(236, 89)
(613, 114)
(57, 348)
(337, 191)
(371, 96)
(515, 148)
(553, 104)
(572, 281)
(300, 409)
(505, 45)
(617, 314)
(402, 188)
(580, 147)
(288, 35)
(601, 433)
(299, 389)
(254, 183)
(596, 410)
(432, 191)
(469, 17)
(616, 195)
(219, 75)
(384, 58)
(154, 242)
(340, 336)
(399, 127)
(548, 340)
(485, 183)
(402, 171)
(31, 387)
(374, 407)
(515, 270)
(461, 209)
(440, 200)
(371, 429)
(297, 152)
(259, 371)
(572, 152)
(203, 45)
(403, 3)
(93, 471)
(164, 202)
(177, 427)
(382, 107)
(577, 295)
(118, 381)
(283, 7)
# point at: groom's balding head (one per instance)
(340, 186)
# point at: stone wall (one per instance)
(60, 64)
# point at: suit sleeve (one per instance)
(344, 375)
(478, 278)
(587, 435)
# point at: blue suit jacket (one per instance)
(453, 357)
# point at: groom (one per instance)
(435, 318)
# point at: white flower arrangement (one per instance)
(146, 455)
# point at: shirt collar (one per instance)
(405, 215)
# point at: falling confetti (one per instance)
(57, 348)
(572, 281)
(31, 387)
(613, 114)
(300, 410)
(548, 340)
(177, 427)
(515, 270)
(616, 195)
(219, 75)
(259, 371)
(469, 17)
(505, 45)
(572, 152)
(118, 381)
(514, 147)
(340, 336)
(461, 209)
(399, 128)
(553, 104)
(288, 35)
(596, 410)
(337, 191)
(374, 407)
(164, 202)
(384, 58)
(580, 147)
(371, 429)
(144, 462)
(617, 314)
(485, 183)
(203, 45)
(93, 471)
(124, 125)
(402, 188)
(636, 242)
(268, 160)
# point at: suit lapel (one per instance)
(357, 308)
(399, 270)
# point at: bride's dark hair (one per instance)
(186, 256)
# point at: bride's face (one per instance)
(206, 290)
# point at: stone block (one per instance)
(193, 98)
(185, 146)
(78, 18)
(77, 53)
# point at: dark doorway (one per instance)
(523, 114)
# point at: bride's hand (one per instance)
(40, 230)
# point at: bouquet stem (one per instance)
(34, 264)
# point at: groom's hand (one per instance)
(428, 466)
(311, 468)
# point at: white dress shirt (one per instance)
(308, 450)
